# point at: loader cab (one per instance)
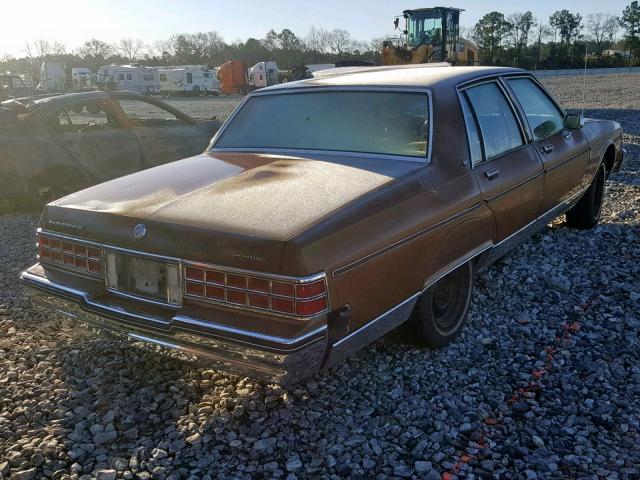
(438, 27)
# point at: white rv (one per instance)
(188, 80)
(263, 74)
(134, 78)
(82, 78)
(53, 77)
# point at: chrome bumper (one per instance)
(267, 358)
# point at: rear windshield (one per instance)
(380, 122)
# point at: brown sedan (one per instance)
(325, 213)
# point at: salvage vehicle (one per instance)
(325, 213)
(54, 145)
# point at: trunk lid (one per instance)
(231, 209)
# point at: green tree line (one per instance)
(518, 39)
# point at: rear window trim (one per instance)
(342, 88)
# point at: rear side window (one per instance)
(498, 124)
(544, 117)
(475, 145)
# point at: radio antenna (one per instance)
(584, 83)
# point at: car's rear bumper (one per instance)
(268, 358)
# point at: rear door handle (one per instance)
(547, 149)
(491, 174)
(567, 135)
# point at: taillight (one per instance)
(292, 297)
(69, 254)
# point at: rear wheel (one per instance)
(586, 213)
(441, 311)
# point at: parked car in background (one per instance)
(54, 145)
(325, 213)
(12, 86)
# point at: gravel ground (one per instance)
(543, 383)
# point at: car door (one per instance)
(165, 134)
(564, 152)
(507, 168)
(91, 133)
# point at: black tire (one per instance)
(586, 213)
(441, 311)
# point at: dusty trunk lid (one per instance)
(231, 209)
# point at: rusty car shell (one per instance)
(33, 157)
(379, 232)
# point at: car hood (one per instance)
(249, 204)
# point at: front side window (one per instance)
(378, 122)
(145, 114)
(82, 117)
(498, 125)
(544, 117)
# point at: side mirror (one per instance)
(396, 22)
(572, 121)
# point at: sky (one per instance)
(72, 22)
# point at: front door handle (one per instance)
(547, 149)
(567, 135)
(491, 174)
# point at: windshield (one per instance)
(379, 122)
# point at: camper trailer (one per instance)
(188, 80)
(53, 77)
(134, 78)
(82, 79)
(263, 74)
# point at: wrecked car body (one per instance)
(57, 144)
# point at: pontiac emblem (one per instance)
(139, 231)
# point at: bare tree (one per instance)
(317, 39)
(94, 48)
(610, 26)
(339, 42)
(129, 48)
(39, 48)
(602, 27)
(58, 48)
(542, 32)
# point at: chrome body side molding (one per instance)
(371, 331)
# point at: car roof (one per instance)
(62, 98)
(419, 75)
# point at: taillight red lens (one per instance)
(281, 288)
(69, 253)
(302, 299)
(236, 281)
(310, 290)
(311, 307)
(193, 273)
(282, 305)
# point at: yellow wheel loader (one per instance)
(430, 35)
